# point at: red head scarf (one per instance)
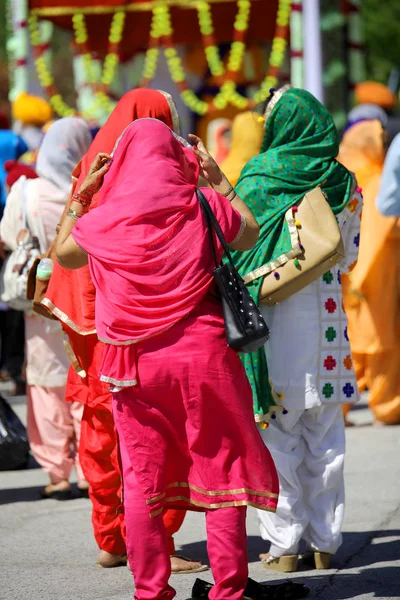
(15, 170)
(147, 240)
(71, 294)
(136, 104)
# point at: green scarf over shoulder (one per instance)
(298, 153)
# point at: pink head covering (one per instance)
(147, 240)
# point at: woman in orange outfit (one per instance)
(71, 298)
(372, 290)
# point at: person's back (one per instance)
(182, 403)
(305, 373)
(374, 319)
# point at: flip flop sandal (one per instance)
(187, 571)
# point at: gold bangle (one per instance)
(73, 214)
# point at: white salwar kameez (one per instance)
(310, 368)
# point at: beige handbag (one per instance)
(317, 246)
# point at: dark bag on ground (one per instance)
(246, 330)
(14, 445)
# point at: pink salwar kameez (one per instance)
(181, 400)
(188, 439)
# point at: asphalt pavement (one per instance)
(47, 550)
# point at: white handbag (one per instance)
(14, 273)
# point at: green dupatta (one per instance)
(298, 153)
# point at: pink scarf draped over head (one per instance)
(147, 240)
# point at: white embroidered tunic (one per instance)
(308, 354)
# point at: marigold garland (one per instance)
(161, 32)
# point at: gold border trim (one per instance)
(73, 358)
(64, 318)
(213, 493)
(283, 258)
(193, 503)
(118, 382)
(274, 101)
(145, 6)
(176, 124)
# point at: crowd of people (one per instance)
(128, 374)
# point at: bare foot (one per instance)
(106, 560)
(181, 564)
(265, 557)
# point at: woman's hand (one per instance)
(94, 179)
(208, 167)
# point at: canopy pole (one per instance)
(313, 48)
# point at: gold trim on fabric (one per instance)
(73, 358)
(213, 493)
(176, 124)
(243, 223)
(283, 258)
(111, 343)
(118, 382)
(274, 101)
(64, 318)
(190, 503)
(146, 5)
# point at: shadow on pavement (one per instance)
(356, 550)
(30, 494)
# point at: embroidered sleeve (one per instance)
(243, 223)
(350, 228)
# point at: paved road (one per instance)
(47, 551)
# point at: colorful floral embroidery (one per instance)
(353, 205)
(330, 334)
(328, 390)
(328, 277)
(348, 390)
(357, 240)
(330, 363)
(345, 334)
(339, 277)
(330, 306)
(348, 363)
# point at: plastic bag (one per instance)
(14, 445)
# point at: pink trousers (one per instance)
(54, 427)
(148, 553)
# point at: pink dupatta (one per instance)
(147, 240)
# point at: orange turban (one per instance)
(371, 92)
(31, 110)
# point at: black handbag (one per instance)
(246, 330)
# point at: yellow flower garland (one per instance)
(161, 30)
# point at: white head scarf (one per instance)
(64, 144)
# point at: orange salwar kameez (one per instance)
(372, 290)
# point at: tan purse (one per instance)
(317, 246)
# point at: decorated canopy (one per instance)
(184, 19)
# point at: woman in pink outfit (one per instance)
(53, 424)
(182, 403)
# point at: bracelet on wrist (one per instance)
(73, 214)
(82, 199)
(228, 192)
(231, 198)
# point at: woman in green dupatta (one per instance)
(298, 154)
(308, 354)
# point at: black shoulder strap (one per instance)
(212, 223)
